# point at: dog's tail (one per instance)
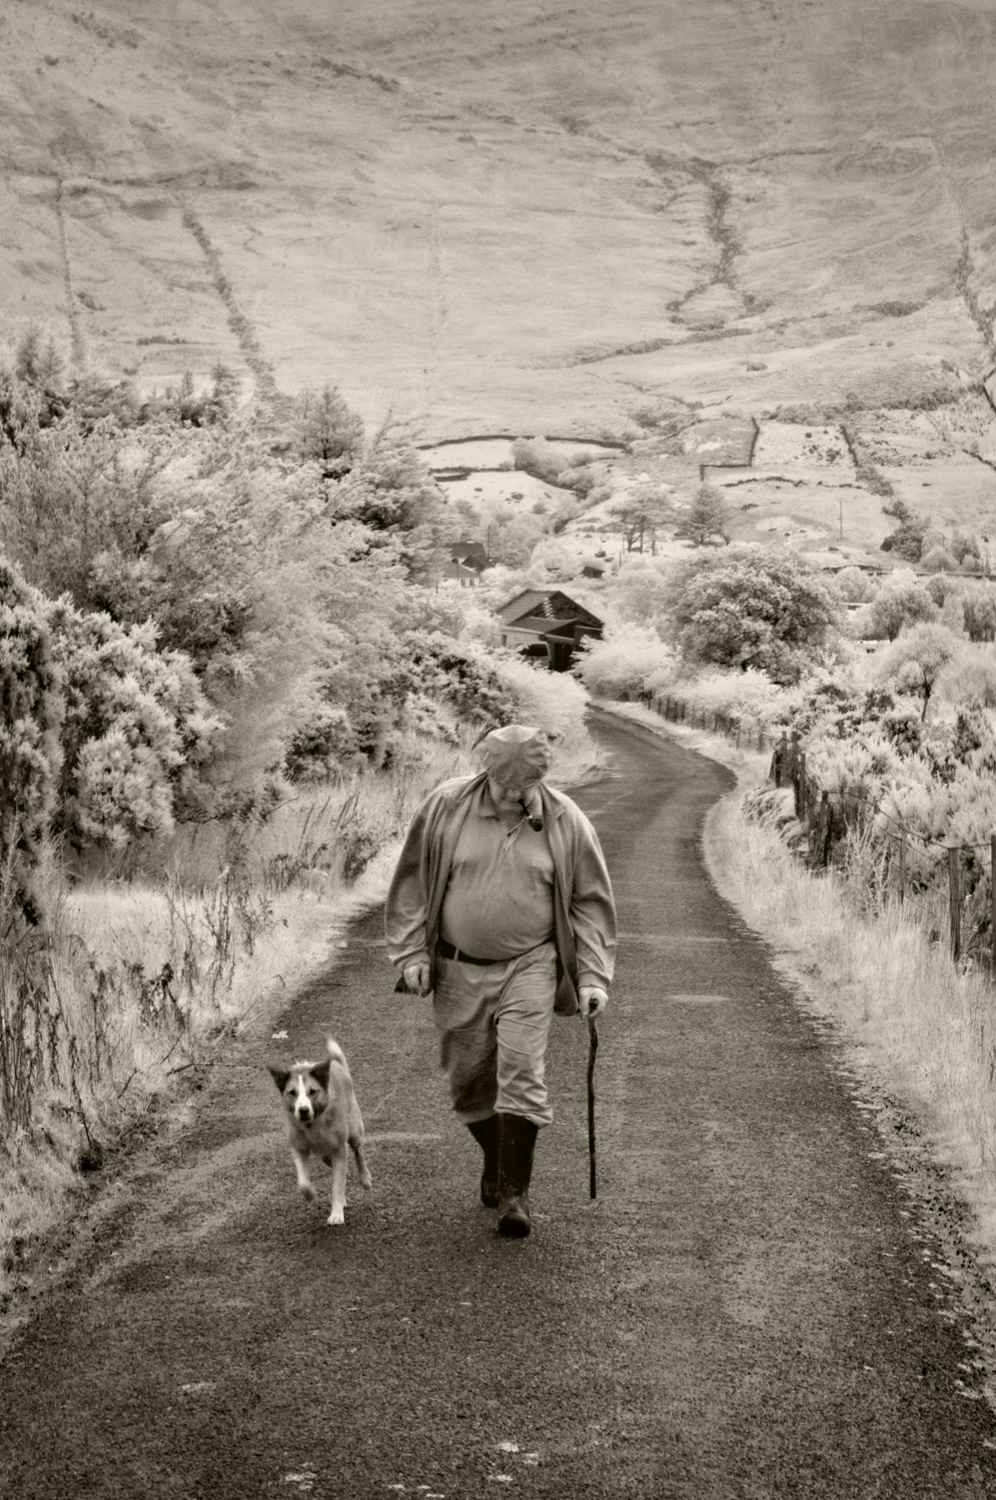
(336, 1053)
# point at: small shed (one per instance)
(547, 624)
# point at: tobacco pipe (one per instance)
(535, 822)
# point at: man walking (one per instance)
(501, 906)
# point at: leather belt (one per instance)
(447, 950)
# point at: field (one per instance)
(515, 217)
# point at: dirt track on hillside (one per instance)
(745, 1311)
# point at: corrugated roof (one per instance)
(522, 603)
(546, 604)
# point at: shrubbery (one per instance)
(752, 606)
(31, 711)
(195, 607)
(621, 666)
(855, 586)
(137, 732)
(901, 602)
(541, 459)
(104, 737)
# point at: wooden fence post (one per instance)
(954, 897)
(781, 760)
(902, 866)
(828, 841)
(817, 850)
(799, 785)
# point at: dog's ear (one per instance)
(321, 1072)
(280, 1076)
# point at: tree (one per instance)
(75, 492)
(328, 431)
(640, 510)
(914, 663)
(980, 612)
(708, 517)
(939, 560)
(907, 539)
(900, 604)
(39, 363)
(639, 594)
(752, 606)
(389, 489)
(854, 585)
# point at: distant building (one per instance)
(467, 562)
(548, 625)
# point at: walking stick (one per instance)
(592, 1049)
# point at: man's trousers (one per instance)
(493, 1022)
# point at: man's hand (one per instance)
(591, 1001)
(417, 978)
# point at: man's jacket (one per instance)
(584, 911)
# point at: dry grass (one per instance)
(930, 1028)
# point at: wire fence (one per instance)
(947, 887)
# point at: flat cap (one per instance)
(518, 752)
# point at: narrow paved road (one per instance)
(745, 1311)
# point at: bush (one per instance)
(901, 603)
(541, 459)
(855, 586)
(137, 731)
(31, 707)
(908, 538)
(970, 674)
(979, 612)
(639, 593)
(578, 476)
(752, 606)
(939, 560)
(750, 698)
(621, 666)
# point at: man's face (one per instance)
(508, 790)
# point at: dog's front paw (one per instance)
(336, 1217)
(307, 1192)
(366, 1181)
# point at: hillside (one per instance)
(516, 217)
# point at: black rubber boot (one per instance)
(515, 1168)
(487, 1134)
